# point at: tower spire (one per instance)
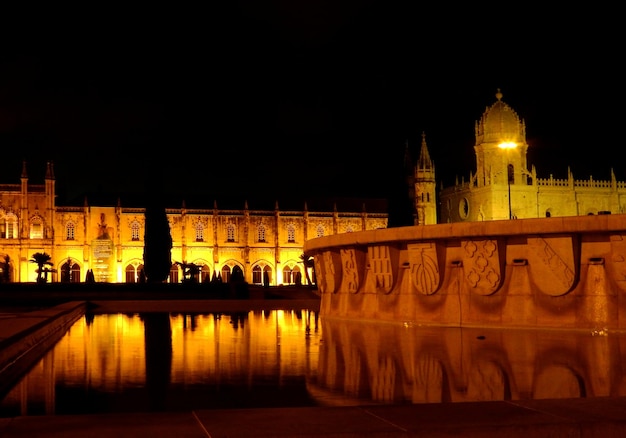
(425, 188)
(424, 161)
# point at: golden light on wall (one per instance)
(507, 145)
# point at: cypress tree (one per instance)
(157, 250)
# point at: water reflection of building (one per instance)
(286, 358)
(210, 360)
(391, 363)
(502, 186)
(106, 236)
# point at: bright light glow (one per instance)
(507, 145)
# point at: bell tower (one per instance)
(425, 188)
(501, 161)
(500, 146)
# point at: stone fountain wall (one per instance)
(566, 272)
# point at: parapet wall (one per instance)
(566, 272)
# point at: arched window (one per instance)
(173, 273)
(320, 230)
(261, 233)
(36, 228)
(199, 232)
(135, 226)
(131, 274)
(291, 233)
(225, 274)
(230, 233)
(296, 275)
(70, 230)
(70, 272)
(205, 274)
(8, 226)
(134, 272)
(257, 275)
(75, 273)
(267, 275)
(288, 277)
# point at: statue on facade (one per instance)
(103, 231)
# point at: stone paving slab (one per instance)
(296, 422)
(548, 418)
(150, 425)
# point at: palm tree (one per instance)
(43, 261)
(308, 263)
(190, 271)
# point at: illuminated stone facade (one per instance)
(566, 273)
(108, 239)
(502, 187)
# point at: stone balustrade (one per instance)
(562, 272)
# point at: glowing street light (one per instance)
(508, 145)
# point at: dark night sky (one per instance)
(268, 91)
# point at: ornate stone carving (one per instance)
(380, 266)
(350, 276)
(330, 272)
(618, 251)
(424, 267)
(551, 261)
(482, 266)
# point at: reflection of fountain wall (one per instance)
(567, 272)
(389, 363)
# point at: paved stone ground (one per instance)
(578, 418)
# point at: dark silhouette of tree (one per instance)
(308, 262)
(89, 278)
(66, 270)
(236, 275)
(191, 271)
(266, 279)
(237, 284)
(157, 250)
(44, 263)
(6, 270)
(298, 279)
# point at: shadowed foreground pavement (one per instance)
(604, 417)
(582, 417)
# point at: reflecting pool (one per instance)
(280, 358)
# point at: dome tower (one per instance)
(500, 146)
